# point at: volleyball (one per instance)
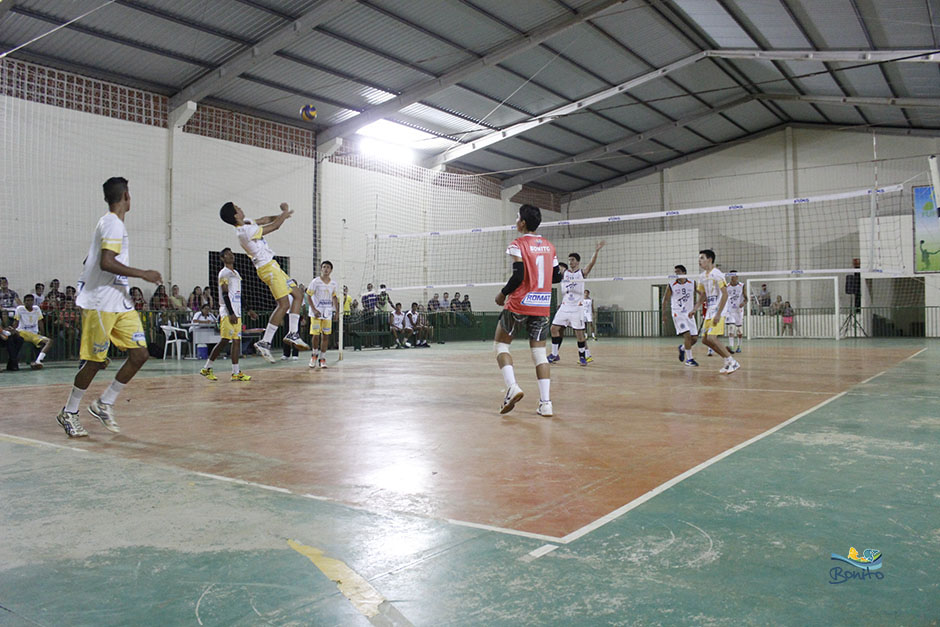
(308, 113)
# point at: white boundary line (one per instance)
(571, 537)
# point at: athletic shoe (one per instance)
(691, 362)
(264, 349)
(729, 368)
(730, 350)
(582, 359)
(69, 422)
(681, 352)
(738, 350)
(294, 358)
(545, 408)
(710, 353)
(313, 363)
(407, 344)
(36, 365)
(589, 359)
(103, 413)
(553, 359)
(513, 395)
(322, 362)
(207, 373)
(298, 342)
(240, 376)
(284, 357)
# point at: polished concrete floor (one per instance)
(392, 473)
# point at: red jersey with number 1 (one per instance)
(534, 296)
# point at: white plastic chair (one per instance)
(176, 338)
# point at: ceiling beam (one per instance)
(515, 129)
(902, 131)
(502, 52)
(216, 79)
(587, 155)
(824, 56)
(854, 101)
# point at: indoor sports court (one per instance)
(762, 173)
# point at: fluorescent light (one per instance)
(395, 133)
(386, 151)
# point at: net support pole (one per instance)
(341, 314)
(934, 179)
(835, 320)
(747, 309)
(177, 120)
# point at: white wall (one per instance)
(55, 160)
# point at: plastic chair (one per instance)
(175, 339)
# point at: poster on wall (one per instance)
(926, 230)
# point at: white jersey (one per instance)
(27, 320)
(735, 298)
(97, 289)
(398, 319)
(587, 306)
(710, 284)
(251, 237)
(683, 297)
(321, 294)
(411, 319)
(233, 280)
(572, 288)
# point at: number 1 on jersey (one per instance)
(540, 265)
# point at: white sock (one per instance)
(40, 357)
(293, 321)
(544, 385)
(209, 364)
(688, 354)
(315, 353)
(509, 376)
(322, 354)
(555, 348)
(587, 351)
(729, 361)
(75, 397)
(110, 395)
(269, 332)
(235, 369)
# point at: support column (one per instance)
(176, 121)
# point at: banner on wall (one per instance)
(926, 230)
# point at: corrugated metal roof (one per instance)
(523, 15)
(832, 23)
(476, 106)
(753, 116)
(897, 24)
(648, 35)
(715, 22)
(231, 17)
(505, 87)
(554, 73)
(868, 81)
(776, 27)
(841, 114)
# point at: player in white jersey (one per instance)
(324, 305)
(396, 324)
(571, 311)
(108, 314)
(587, 304)
(230, 318)
(713, 291)
(734, 311)
(251, 237)
(414, 325)
(27, 319)
(680, 294)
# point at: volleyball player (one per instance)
(251, 237)
(108, 313)
(396, 324)
(734, 311)
(713, 291)
(571, 311)
(680, 294)
(526, 299)
(324, 305)
(414, 324)
(230, 318)
(588, 305)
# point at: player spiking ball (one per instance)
(230, 318)
(713, 290)
(527, 297)
(571, 311)
(251, 237)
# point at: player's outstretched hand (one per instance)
(600, 245)
(500, 299)
(284, 206)
(151, 276)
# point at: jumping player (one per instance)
(230, 318)
(734, 311)
(324, 305)
(251, 237)
(571, 311)
(713, 291)
(527, 299)
(27, 325)
(680, 294)
(108, 313)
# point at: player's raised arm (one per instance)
(587, 270)
(109, 263)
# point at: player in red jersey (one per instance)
(527, 297)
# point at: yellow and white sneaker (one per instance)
(240, 376)
(207, 373)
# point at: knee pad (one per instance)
(557, 340)
(501, 348)
(539, 356)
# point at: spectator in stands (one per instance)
(207, 298)
(763, 299)
(12, 342)
(70, 317)
(54, 294)
(160, 301)
(435, 303)
(777, 307)
(205, 318)
(456, 308)
(354, 308)
(383, 302)
(195, 300)
(347, 301)
(176, 301)
(138, 297)
(368, 299)
(8, 298)
(465, 304)
(445, 302)
(787, 313)
(37, 295)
